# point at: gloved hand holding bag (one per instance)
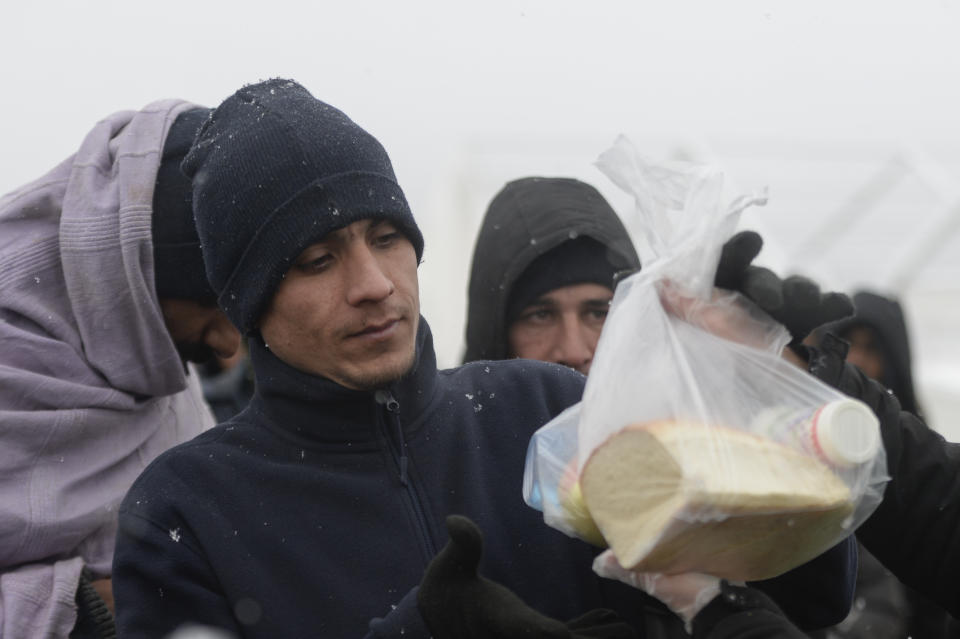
(697, 448)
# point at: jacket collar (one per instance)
(319, 410)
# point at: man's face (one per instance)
(199, 331)
(562, 326)
(865, 351)
(348, 308)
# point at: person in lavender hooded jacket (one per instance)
(103, 300)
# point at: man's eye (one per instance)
(594, 316)
(538, 316)
(315, 264)
(386, 239)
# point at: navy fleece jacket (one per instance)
(316, 510)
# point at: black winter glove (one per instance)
(457, 603)
(795, 302)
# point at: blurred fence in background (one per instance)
(851, 215)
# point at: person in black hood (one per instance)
(543, 272)
(879, 344)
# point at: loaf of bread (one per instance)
(575, 512)
(678, 497)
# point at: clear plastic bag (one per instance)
(697, 447)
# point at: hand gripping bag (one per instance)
(696, 446)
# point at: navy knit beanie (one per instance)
(579, 261)
(275, 170)
(178, 270)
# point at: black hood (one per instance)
(527, 218)
(885, 316)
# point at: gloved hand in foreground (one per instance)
(457, 603)
(796, 302)
(707, 605)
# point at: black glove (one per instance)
(795, 302)
(457, 603)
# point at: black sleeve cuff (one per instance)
(744, 613)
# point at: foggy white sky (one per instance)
(427, 75)
(806, 97)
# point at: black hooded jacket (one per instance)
(523, 222)
(885, 316)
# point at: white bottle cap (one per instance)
(846, 432)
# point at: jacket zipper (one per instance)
(398, 449)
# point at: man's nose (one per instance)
(574, 348)
(222, 336)
(367, 279)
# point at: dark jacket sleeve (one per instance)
(820, 592)
(161, 582)
(881, 611)
(915, 531)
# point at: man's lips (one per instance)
(379, 329)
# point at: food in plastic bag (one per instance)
(645, 516)
(697, 447)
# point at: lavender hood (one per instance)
(91, 386)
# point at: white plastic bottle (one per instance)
(844, 433)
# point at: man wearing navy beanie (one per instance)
(315, 511)
(350, 496)
(274, 171)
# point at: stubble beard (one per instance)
(377, 379)
(370, 380)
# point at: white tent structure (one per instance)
(846, 112)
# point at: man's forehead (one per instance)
(587, 293)
(354, 228)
